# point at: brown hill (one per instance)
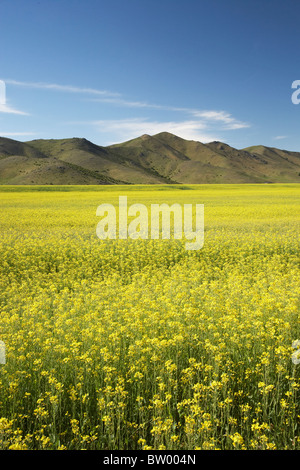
(160, 159)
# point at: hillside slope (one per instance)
(159, 159)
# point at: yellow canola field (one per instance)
(142, 344)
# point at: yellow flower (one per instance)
(237, 439)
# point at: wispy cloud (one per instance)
(131, 128)
(141, 104)
(4, 107)
(63, 88)
(279, 137)
(115, 98)
(193, 124)
(228, 121)
(224, 118)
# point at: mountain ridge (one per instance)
(162, 158)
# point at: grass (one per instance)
(140, 344)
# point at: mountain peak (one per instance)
(167, 135)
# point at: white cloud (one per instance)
(214, 115)
(131, 128)
(201, 125)
(209, 116)
(65, 88)
(279, 137)
(236, 125)
(141, 104)
(230, 123)
(4, 108)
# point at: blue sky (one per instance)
(111, 70)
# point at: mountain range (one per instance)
(163, 158)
